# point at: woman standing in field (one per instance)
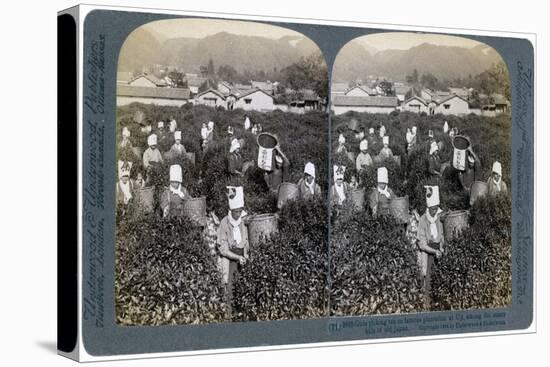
(171, 200)
(125, 142)
(125, 190)
(379, 199)
(279, 172)
(307, 186)
(233, 238)
(472, 171)
(385, 152)
(177, 150)
(431, 242)
(340, 191)
(341, 149)
(363, 159)
(411, 139)
(152, 160)
(235, 162)
(434, 164)
(495, 183)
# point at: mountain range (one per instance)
(355, 61)
(144, 48)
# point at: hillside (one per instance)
(355, 61)
(242, 52)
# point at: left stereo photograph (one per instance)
(222, 157)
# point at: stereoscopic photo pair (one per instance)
(254, 183)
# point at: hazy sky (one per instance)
(404, 40)
(199, 28)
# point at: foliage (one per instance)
(373, 268)
(310, 72)
(165, 274)
(287, 275)
(475, 271)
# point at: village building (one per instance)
(415, 104)
(498, 106)
(452, 105)
(254, 99)
(127, 94)
(211, 97)
(370, 104)
(147, 80)
(360, 91)
(310, 101)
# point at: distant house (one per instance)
(147, 80)
(415, 104)
(502, 105)
(254, 99)
(127, 94)
(310, 102)
(360, 91)
(430, 95)
(453, 105)
(211, 97)
(123, 77)
(379, 104)
(498, 106)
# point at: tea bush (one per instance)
(286, 277)
(165, 274)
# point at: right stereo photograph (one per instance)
(421, 173)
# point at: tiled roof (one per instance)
(153, 79)
(153, 92)
(218, 93)
(364, 88)
(251, 91)
(366, 101)
(416, 98)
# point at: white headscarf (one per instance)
(432, 221)
(234, 145)
(310, 186)
(177, 191)
(341, 139)
(310, 170)
(236, 226)
(384, 192)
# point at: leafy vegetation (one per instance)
(374, 268)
